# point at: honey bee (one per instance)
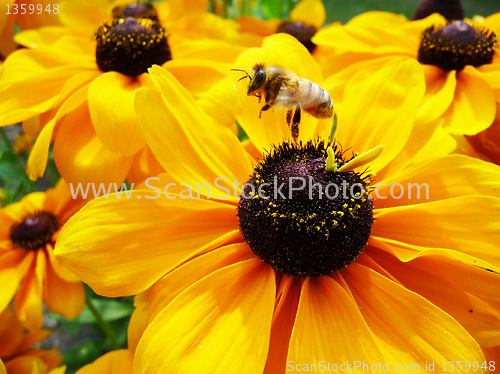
(283, 89)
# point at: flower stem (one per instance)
(103, 325)
(4, 137)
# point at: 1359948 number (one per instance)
(32, 8)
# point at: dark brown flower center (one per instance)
(34, 231)
(449, 9)
(457, 45)
(301, 219)
(302, 32)
(136, 11)
(130, 46)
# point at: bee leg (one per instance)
(295, 122)
(264, 108)
(289, 117)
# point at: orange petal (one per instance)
(469, 224)
(380, 110)
(407, 326)
(283, 321)
(80, 156)
(329, 326)
(11, 333)
(114, 362)
(166, 289)
(111, 107)
(28, 301)
(220, 324)
(469, 294)
(62, 297)
(439, 179)
(26, 364)
(177, 132)
(121, 247)
(473, 108)
(39, 155)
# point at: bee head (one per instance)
(258, 80)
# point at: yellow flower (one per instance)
(22, 143)
(28, 268)
(226, 295)
(84, 95)
(306, 18)
(463, 86)
(17, 353)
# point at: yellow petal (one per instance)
(490, 73)
(203, 50)
(196, 75)
(175, 282)
(469, 294)
(336, 82)
(469, 224)
(111, 106)
(220, 324)
(80, 156)
(123, 246)
(220, 102)
(473, 108)
(439, 179)
(10, 262)
(32, 83)
(329, 326)
(439, 93)
(310, 12)
(144, 166)
(174, 9)
(70, 14)
(115, 362)
(406, 325)
(380, 110)
(177, 132)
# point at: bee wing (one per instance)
(288, 96)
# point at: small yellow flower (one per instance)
(29, 272)
(16, 351)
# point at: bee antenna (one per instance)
(243, 70)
